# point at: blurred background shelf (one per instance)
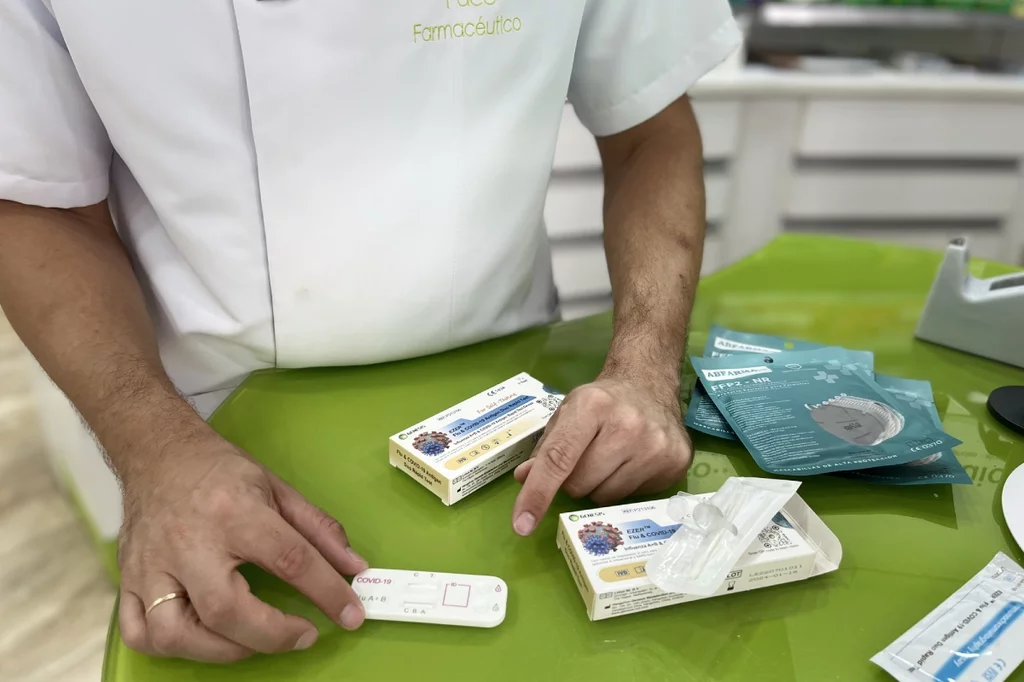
(880, 122)
(992, 38)
(878, 16)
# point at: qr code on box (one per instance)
(551, 401)
(773, 537)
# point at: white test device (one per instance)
(439, 598)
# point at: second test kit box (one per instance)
(607, 551)
(460, 450)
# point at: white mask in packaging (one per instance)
(709, 542)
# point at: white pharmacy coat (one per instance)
(325, 182)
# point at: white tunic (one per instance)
(329, 182)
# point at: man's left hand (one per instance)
(609, 439)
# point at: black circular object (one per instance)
(1007, 405)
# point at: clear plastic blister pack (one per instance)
(697, 558)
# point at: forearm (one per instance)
(654, 236)
(69, 290)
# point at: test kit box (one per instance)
(607, 551)
(462, 449)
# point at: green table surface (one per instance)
(905, 548)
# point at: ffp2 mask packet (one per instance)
(722, 341)
(938, 467)
(701, 413)
(801, 413)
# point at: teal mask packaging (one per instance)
(938, 467)
(820, 411)
(701, 414)
(722, 341)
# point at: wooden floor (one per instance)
(55, 600)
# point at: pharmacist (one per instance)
(197, 189)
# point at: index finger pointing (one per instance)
(555, 458)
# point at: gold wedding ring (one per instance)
(167, 597)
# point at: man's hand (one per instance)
(622, 434)
(608, 440)
(191, 522)
(196, 507)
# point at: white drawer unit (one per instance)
(586, 307)
(719, 122)
(574, 207)
(580, 268)
(576, 148)
(891, 193)
(714, 254)
(911, 128)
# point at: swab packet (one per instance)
(709, 541)
(976, 634)
(938, 467)
(701, 414)
(801, 413)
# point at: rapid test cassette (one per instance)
(439, 598)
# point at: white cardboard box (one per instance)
(607, 551)
(460, 450)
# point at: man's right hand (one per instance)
(191, 519)
(196, 507)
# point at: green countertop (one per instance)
(905, 549)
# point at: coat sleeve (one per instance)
(633, 59)
(54, 150)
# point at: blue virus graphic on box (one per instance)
(432, 443)
(600, 538)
